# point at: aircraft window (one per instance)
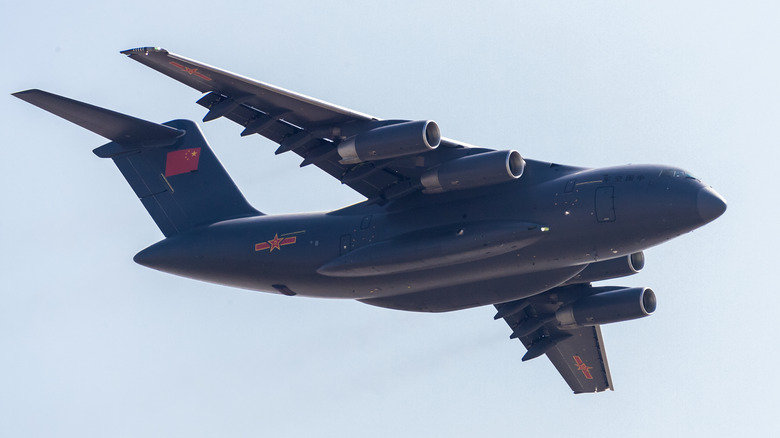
(676, 173)
(670, 173)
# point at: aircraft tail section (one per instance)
(169, 166)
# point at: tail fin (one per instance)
(170, 166)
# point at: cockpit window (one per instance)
(677, 173)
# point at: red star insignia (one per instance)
(190, 71)
(581, 366)
(275, 243)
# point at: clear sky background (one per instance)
(92, 344)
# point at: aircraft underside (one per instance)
(445, 225)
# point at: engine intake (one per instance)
(607, 307)
(391, 141)
(474, 171)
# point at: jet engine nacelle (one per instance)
(607, 307)
(391, 141)
(608, 269)
(474, 171)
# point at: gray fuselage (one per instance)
(452, 250)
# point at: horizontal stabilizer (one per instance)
(128, 131)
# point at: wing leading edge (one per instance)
(577, 353)
(306, 126)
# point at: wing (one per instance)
(577, 353)
(311, 128)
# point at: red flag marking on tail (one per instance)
(182, 161)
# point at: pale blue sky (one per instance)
(92, 344)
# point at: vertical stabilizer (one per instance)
(170, 167)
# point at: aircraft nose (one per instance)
(710, 204)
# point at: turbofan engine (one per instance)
(391, 141)
(474, 171)
(609, 269)
(607, 307)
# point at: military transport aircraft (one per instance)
(445, 226)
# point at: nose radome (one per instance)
(710, 204)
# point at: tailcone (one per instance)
(148, 257)
(167, 255)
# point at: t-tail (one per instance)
(170, 167)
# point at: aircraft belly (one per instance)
(286, 265)
(479, 293)
(452, 245)
(499, 270)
